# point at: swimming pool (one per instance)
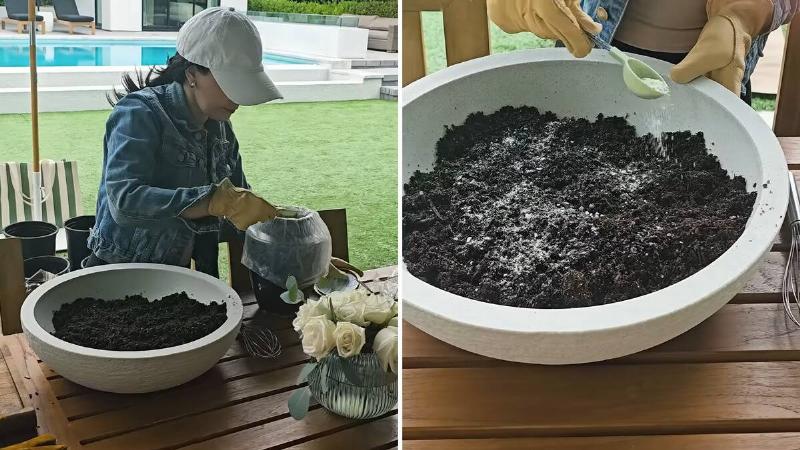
(70, 53)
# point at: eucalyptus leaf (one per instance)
(291, 282)
(298, 403)
(288, 298)
(303, 377)
(324, 284)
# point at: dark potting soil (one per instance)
(134, 323)
(527, 209)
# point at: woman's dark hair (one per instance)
(175, 70)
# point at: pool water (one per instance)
(70, 53)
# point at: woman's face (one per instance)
(209, 97)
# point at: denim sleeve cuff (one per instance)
(205, 225)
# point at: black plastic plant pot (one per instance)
(38, 238)
(53, 264)
(268, 296)
(78, 229)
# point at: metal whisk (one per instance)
(260, 342)
(791, 277)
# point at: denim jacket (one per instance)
(615, 9)
(155, 165)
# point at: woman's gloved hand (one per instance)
(721, 49)
(242, 207)
(43, 442)
(549, 19)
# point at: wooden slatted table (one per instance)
(238, 404)
(731, 383)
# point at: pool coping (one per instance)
(371, 60)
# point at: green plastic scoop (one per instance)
(640, 78)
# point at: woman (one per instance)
(722, 39)
(172, 168)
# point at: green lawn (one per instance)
(433, 34)
(320, 155)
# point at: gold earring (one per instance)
(192, 84)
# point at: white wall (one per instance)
(318, 40)
(85, 7)
(239, 5)
(122, 15)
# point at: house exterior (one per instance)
(149, 15)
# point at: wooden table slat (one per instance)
(760, 441)
(178, 404)
(201, 427)
(17, 417)
(49, 415)
(765, 285)
(791, 150)
(596, 400)
(747, 332)
(317, 424)
(366, 436)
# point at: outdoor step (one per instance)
(389, 75)
(365, 63)
(389, 92)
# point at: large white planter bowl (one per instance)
(551, 79)
(129, 371)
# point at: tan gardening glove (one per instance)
(721, 49)
(242, 207)
(337, 265)
(549, 19)
(43, 442)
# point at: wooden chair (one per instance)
(466, 33)
(17, 11)
(22, 25)
(335, 219)
(787, 109)
(67, 14)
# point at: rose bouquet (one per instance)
(352, 337)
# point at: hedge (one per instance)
(383, 8)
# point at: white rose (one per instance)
(393, 322)
(378, 309)
(309, 309)
(318, 339)
(385, 347)
(349, 307)
(349, 339)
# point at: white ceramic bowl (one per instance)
(551, 79)
(129, 371)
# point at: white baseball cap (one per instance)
(227, 42)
